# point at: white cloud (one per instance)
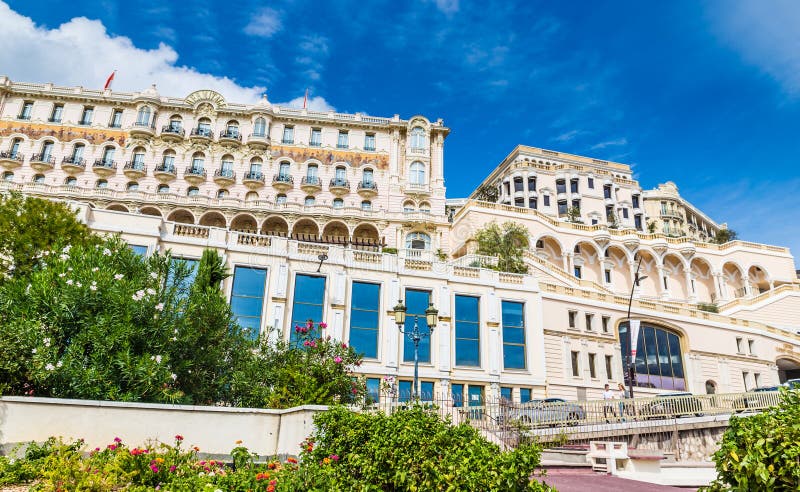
(315, 103)
(448, 7)
(610, 143)
(313, 53)
(568, 136)
(81, 52)
(265, 22)
(765, 34)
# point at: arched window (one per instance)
(425, 207)
(232, 129)
(338, 203)
(47, 150)
(416, 173)
(418, 240)
(226, 169)
(175, 123)
(409, 207)
(198, 160)
(69, 181)
(280, 199)
(255, 167)
(108, 155)
(193, 191)
(251, 196)
(132, 186)
(417, 137)
(163, 188)
(77, 152)
(39, 178)
(168, 162)
(138, 158)
(15, 144)
(367, 177)
(310, 201)
(659, 358)
(101, 183)
(312, 174)
(366, 205)
(222, 193)
(8, 176)
(260, 127)
(143, 117)
(340, 176)
(283, 170)
(204, 127)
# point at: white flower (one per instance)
(93, 287)
(78, 284)
(69, 281)
(62, 275)
(138, 296)
(33, 351)
(46, 342)
(69, 269)
(173, 376)
(118, 276)
(63, 257)
(59, 363)
(176, 331)
(49, 367)
(158, 359)
(160, 306)
(174, 339)
(154, 275)
(107, 252)
(47, 253)
(151, 292)
(66, 248)
(95, 269)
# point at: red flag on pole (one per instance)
(109, 80)
(305, 100)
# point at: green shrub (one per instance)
(710, 308)
(761, 452)
(389, 251)
(412, 449)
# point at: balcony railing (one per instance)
(282, 178)
(287, 141)
(225, 173)
(314, 143)
(367, 185)
(310, 180)
(173, 130)
(340, 183)
(201, 132)
(74, 161)
(194, 171)
(165, 168)
(105, 163)
(144, 124)
(48, 158)
(11, 155)
(231, 135)
(254, 176)
(135, 166)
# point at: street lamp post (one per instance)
(416, 336)
(631, 362)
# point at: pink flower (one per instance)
(117, 440)
(179, 437)
(297, 328)
(344, 345)
(154, 468)
(323, 325)
(335, 457)
(337, 359)
(172, 469)
(354, 391)
(112, 447)
(306, 343)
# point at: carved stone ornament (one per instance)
(205, 110)
(206, 96)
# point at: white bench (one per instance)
(612, 457)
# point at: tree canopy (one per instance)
(508, 243)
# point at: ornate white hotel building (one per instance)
(274, 189)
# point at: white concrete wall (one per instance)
(214, 430)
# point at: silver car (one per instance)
(551, 411)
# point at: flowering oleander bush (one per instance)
(411, 450)
(91, 319)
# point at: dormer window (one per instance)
(417, 138)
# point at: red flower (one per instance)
(291, 460)
(179, 438)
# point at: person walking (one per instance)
(623, 395)
(608, 402)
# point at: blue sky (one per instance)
(706, 94)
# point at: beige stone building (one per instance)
(671, 215)
(335, 217)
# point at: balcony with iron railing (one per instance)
(172, 132)
(224, 177)
(143, 129)
(134, 169)
(258, 140)
(72, 163)
(339, 186)
(311, 184)
(104, 167)
(43, 162)
(254, 179)
(282, 182)
(194, 174)
(11, 159)
(230, 136)
(201, 134)
(165, 172)
(367, 189)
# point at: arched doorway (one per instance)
(244, 223)
(305, 230)
(788, 369)
(213, 219)
(335, 232)
(181, 216)
(703, 281)
(275, 226)
(366, 236)
(548, 248)
(711, 387)
(659, 357)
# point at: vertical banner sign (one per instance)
(634, 327)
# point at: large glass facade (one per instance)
(513, 335)
(468, 350)
(247, 298)
(309, 298)
(417, 302)
(365, 318)
(374, 389)
(659, 360)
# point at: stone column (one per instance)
(691, 293)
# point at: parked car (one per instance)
(550, 411)
(757, 399)
(673, 404)
(792, 383)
